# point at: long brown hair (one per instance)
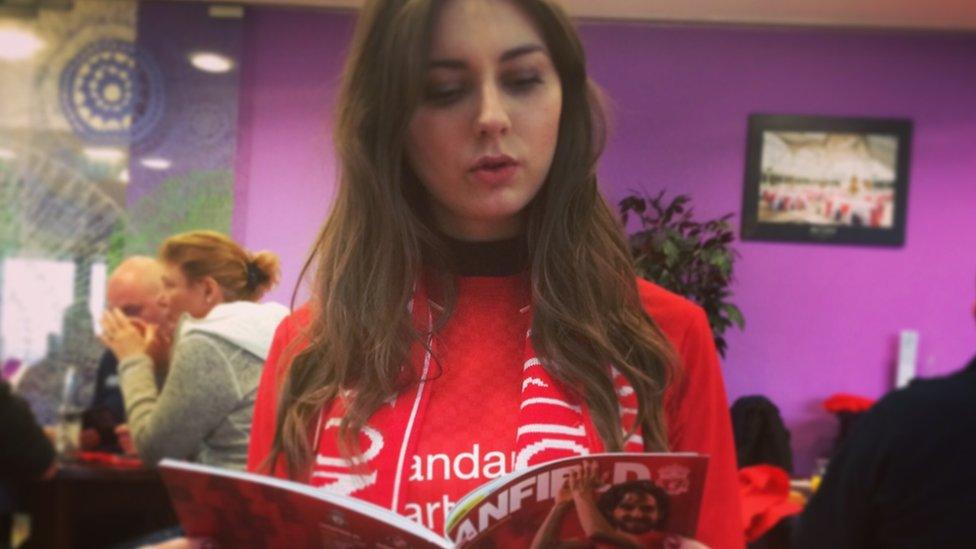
(379, 239)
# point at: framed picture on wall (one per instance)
(824, 179)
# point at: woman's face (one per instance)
(182, 296)
(483, 137)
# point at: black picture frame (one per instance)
(826, 179)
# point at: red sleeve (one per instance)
(698, 413)
(283, 348)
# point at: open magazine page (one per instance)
(648, 500)
(246, 510)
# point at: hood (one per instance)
(250, 326)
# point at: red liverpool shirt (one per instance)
(468, 435)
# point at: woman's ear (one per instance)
(213, 294)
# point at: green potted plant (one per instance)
(688, 257)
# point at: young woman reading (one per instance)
(475, 308)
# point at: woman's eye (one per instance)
(523, 82)
(443, 95)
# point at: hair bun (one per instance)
(255, 275)
(263, 271)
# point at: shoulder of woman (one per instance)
(294, 325)
(673, 313)
(290, 338)
(195, 345)
(300, 317)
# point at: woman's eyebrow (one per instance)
(520, 51)
(453, 64)
(458, 64)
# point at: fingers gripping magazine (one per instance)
(600, 500)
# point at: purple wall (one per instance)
(820, 319)
(198, 130)
(285, 162)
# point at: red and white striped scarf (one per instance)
(551, 425)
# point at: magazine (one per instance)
(633, 499)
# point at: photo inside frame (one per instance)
(828, 179)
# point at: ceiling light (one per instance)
(155, 163)
(7, 154)
(209, 61)
(224, 11)
(104, 154)
(18, 44)
(124, 176)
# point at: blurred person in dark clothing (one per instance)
(25, 453)
(906, 475)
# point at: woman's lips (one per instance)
(494, 170)
(495, 174)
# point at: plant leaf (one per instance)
(692, 258)
(734, 315)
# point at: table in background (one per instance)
(89, 505)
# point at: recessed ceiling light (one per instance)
(18, 44)
(156, 163)
(224, 11)
(104, 154)
(209, 61)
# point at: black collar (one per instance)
(495, 258)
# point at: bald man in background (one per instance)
(135, 288)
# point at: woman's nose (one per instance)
(493, 119)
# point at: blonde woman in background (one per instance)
(203, 412)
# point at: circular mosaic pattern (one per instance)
(112, 92)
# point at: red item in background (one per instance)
(765, 499)
(843, 402)
(110, 460)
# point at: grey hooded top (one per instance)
(203, 412)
